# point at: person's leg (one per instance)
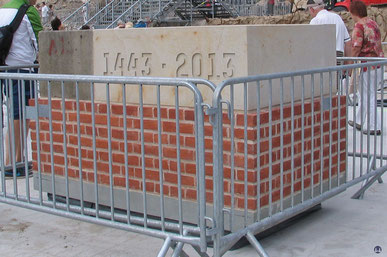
(13, 131)
(375, 120)
(15, 134)
(361, 112)
(18, 143)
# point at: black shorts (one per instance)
(16, 96)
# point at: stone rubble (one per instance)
(379, 14)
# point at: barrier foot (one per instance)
(360, 193)
(380, 180)
(197, 249)
(179, 250)
(165, 247)
(258, 247)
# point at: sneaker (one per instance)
(20, 171)
(353, 124)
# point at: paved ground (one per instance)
(343, 227)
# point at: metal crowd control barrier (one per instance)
(288, 153)
(269, 147)
(54, 115)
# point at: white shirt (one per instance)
(45, 11)
(342, 35)
(24, 44)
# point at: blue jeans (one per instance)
(17, 86)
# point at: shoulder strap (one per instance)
(19, 17)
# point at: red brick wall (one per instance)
(187, 150)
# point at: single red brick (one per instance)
(169, 126)
(152, 175)
(189, 115)
(186, 128)
(170, 177)
(150, 124)
(57, 115)
(187, 180)
(190, 194)
(119, 181)
(148, 111)
(132, 110)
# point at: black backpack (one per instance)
(6, 33)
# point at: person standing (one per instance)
(85, 12)
(56, 24)
(322, 16)
(45, 11)
(50, 12)
(270, 7)
(23, 51)
(366, 42)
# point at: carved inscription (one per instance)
(130, 64)
(211, 66)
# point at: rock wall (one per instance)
(303, 17)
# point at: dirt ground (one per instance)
(303, 17)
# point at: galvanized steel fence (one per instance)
(267, 148)
(70, 199)
(305, 153)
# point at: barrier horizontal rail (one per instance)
(119, 163)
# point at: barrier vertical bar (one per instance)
(38, 148)
(281, 143)
(330, 131)
(382, 114)
(179, 189)
(270, 147)
(65, 146)
(202, 175)
(312, 137)
(51, 145)
(125, 127)
(232, 171)
(11, 125)
(2, 150)
(346, 126)
(361, 117)
(162, 211)
(143, 156)
(109, 130)
(302, 138)
(258, 150)
(339, 133)
(375, 85)
(355, 97)
(321, 133)
(79, 147)
(217, 178)
(245, 152)
(24, 140)
(95, 171)
(292, 141)
(369, 86)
